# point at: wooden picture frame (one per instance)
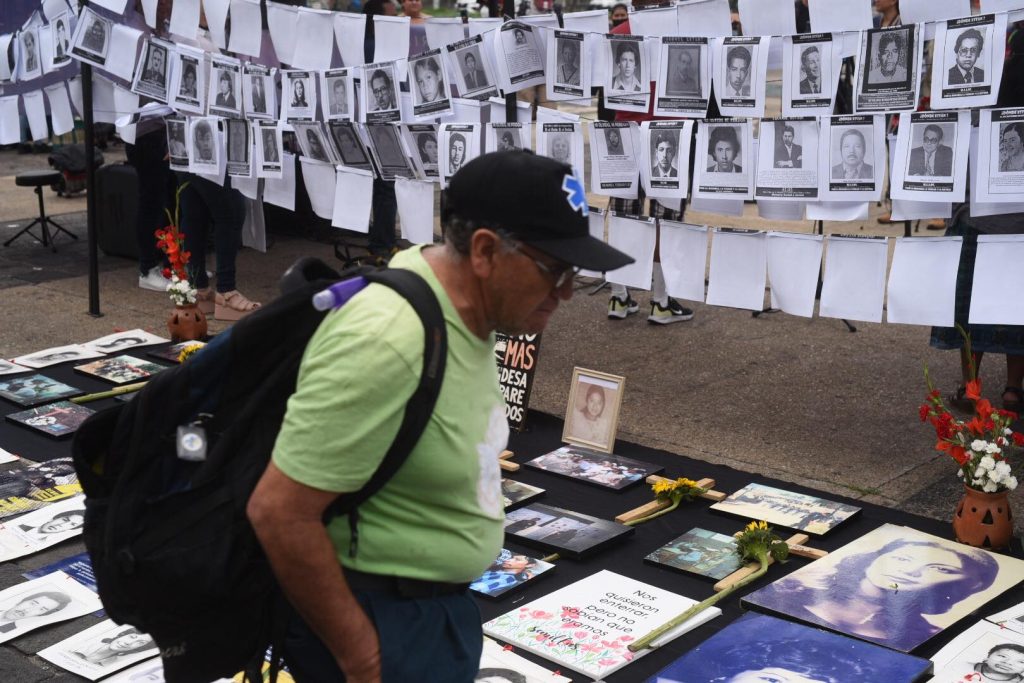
(597, 433)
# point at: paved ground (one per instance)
(803, 400)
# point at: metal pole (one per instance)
(90, 188)
(511, 115)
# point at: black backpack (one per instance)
(171, 546)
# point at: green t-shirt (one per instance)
(440, 517)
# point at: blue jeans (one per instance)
(437, 639)
(204, 203)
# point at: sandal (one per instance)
(205, 300)
(232, 305)
(959, 400)
(1017, 402)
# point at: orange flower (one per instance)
(973, 389)
(984, 409)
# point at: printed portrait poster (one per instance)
(259, 92)
(31, 55)
(888, 69)
(188, 80)
(984, 648)
(893, 586)
(614, 165)
(474, 74)
(851, 158)
(239, 147)
(503, 137)
(1000, 156)
(101, 650)
(337, 87)
(724, 164)
(153, 70)
(810, 72)
(312, 138)
(665, 155)
(625, 71)
(684, 77)
(47, 600)
(60, 34)
(787, 159)
(91, 41)
(459, 144)
(431, 94)
(563, 142)
(740, 74)
(379, 93)
(349, 144)
(225, 94)
(268, 149)
(298, 95)
(387, 149)
(204, 145)
(42, 528)
(568, 69)
(930, 153)
(520, 55)
(177, 143)
(967, 61)
(517, 360)
(421, 140)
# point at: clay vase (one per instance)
(983, 519)
(187, 323)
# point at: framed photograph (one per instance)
(152, 70)
(47, 600)
(894, 586)
(508, 572)
(699, 551)
(603, 469)
(32, 390)
(172, 352)
(259, 92)
(759, 648)
(592, 416)
(516, 494)
(58, 420)
(785, 508)
(120, 369)
(984, 652)
(570, 534)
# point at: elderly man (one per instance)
(851, 166)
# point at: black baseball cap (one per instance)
(537, 200)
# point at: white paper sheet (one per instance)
(480, 25)
(185, 18)
(115, 6)
(519, 56)
(738, 269)
(10, 121)
(997, 268)
(149, 12)
(722, 207)
(614, 158)
(254, 230)
(496, 110)
(5, 64)
(316, 47)
(596, 225)
(283, 21)
(349, 33)
(922, 281)
(544, 23)
(105, 44)
(216, 19)
(103, 108)
(684, 255)
(319, 179)
(125, 102)
(664, 158)
(839, 15)
(416, 209)
(353, 192)
(684, 69)
(854, 282)
(246, 27)
(568, 66)
(35, 112)
(787, 168)
(54, 8)
(709, 18)
(992, 6)
(794, 263)
(391, 38)
(659, 21)
(837, 211)
(780, 210)
(75, 92)
(281, 191)
(81, 601)
(920, 11)
(101, 649)
(592, 21)
(61, 118)
(470, 61)
(984, 59)
(909, 210)
(636, 237)
(442, 31)
(42, 528)
(767, 17)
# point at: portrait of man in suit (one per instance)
(810, 60)
(788, 154)
(474, 76)
(682, 71)
(967, 51)
(259, 95)
(889, 62)
(155, 71)
(851, 166)
(225, 91)
(737, 72)
(932, 158)
(36, 605)
(627, 68)
(663, 153)
(383, 91)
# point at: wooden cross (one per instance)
(504, 463)
(796, 547)
(656, 505)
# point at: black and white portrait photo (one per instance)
(507, 140)
(299, 95)
(92, 38)
(238, 147)
(931, 150)
(966, 57)
(889, 54)
(967, 61)
(61, 37)
(851, 154)
(457, 147)
(311, 139)
(205, 145)
(350, 149)
(560, 147)
(568, 65)
(736, 72)
(31, 60)
(428, 85)
(724, 149)
(388, 149)
(523, 61)
(381, 93)
(1011, 147)
(271, 155)
(177, 145)
(151, 76)
(613, 142)
(101, 650)
(788, 153)
(812, 77)
(336, 95)
(627, 66)
(268, 149)
(426, 146)
(188, 86)
(683, 71)
(259, 92)
(225, 87)
(471, 66)
(664, 150)
(50, 598)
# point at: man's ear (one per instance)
(484, 246)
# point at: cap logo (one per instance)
(575, 194)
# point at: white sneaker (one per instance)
(154, 280)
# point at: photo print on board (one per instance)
(268, 149)
(430, 95)
(151, 73)
(888, 73)
(421, 139)
(337, 101)
(683, 83)
(33, 390)
(259, 92)
(61, 37)
(91, 40)
(475, 77)
(387, 150)
(380, 101)
(349, 145)
(968, 61)
(225, 87)
(188, 81)
(298, 95)
(510, 571)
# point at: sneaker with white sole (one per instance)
(620, 308)
(154, 280)
(670, 313)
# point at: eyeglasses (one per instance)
(931, 139)
(562, 273)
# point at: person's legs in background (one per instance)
(195, 221)
(147, 156)
(382, 227)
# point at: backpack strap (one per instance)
(421, 404)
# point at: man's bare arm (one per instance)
(288, 519)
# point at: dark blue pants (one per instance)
(430, 639)
(205, 204)
(385, 208)
(155, 188)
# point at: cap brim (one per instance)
(585, 252)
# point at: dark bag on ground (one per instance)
(171, 547)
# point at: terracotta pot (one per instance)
(983, 519)
(187, 323)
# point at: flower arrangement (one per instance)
(171, 241)
(757, 543)
(979, 445)
(672, 492)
